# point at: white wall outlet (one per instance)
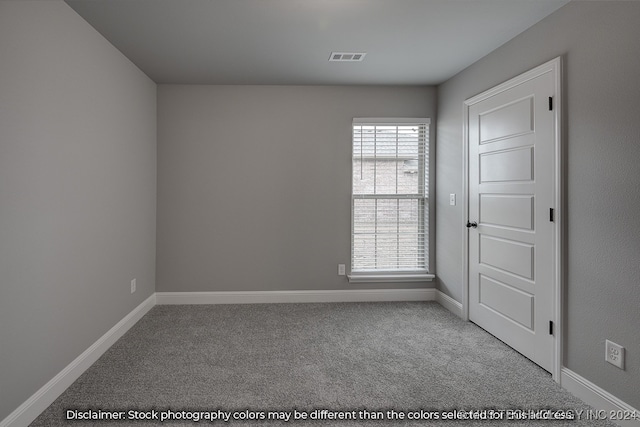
(452, 199)
(341, 270)
(614, 354)
(133, 285)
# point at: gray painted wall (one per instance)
(254, 183)
(77, 191)
(249, 175)
(599, 42)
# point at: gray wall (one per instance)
(254, 183)
(77, 191)
(599, 42)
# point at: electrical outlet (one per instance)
(452, 199)
(614, 354)
(133, 285)
(341, 270)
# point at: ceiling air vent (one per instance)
(347, 56)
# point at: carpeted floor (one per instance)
(364, 359)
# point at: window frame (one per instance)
(415, 275)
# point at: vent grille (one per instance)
(347, 56)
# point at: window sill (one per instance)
(390, 278)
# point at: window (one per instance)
(390, 200)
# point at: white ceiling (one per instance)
(420, 42)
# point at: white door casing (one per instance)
(512, 180)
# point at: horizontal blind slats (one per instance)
(390, 189)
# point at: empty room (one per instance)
(331, 212)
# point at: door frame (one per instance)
(555, 67)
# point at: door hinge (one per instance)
(551, 103)
(550, 327)
(551, 217)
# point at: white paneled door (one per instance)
(512, 190)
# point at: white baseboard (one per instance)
(449, 303)
(261, 297)
(36, 404)
(27, 412)
(595, 396)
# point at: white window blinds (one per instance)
(390, 196)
